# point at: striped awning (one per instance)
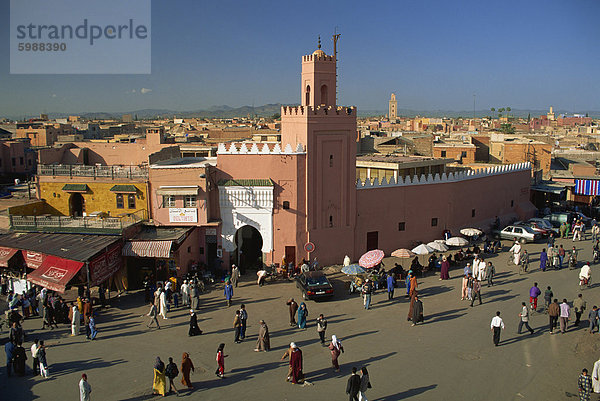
(587, 187)
(148, 249)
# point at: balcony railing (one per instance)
(75, 170)
(66, 224)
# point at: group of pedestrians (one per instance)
(169, 372)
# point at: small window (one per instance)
(201, 250)
(402, 226)
(189, 249)
(330, 221)
(434, 222)
(131, 201)
(330, 160)
(463, 154)
(14, 161)
(286, 204)
(21, 161)
(189, 201)
(168, 201)
(120, 202)
(443, 153)
(473, 213)
(512, 203)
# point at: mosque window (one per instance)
(286, 204)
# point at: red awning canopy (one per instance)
(55, 273)
(5, 255)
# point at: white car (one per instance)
(521, 233)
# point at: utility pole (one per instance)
(336, 36)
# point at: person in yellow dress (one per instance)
(159, 385)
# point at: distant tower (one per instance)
(393, 109)
(318, 79)
(550, 114)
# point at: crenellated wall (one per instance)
(444, 178)
(317, 111)
(252, 149)
(419, 209)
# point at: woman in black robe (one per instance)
(194, 329)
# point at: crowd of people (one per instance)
(165, 296)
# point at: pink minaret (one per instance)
(328, 134)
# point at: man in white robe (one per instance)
(163, 305)
(516, 251)
(76, 321)
(185, 293)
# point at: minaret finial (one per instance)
(319, 41)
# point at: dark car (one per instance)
(314, 285)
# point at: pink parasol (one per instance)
(371, 258)
(403, 253)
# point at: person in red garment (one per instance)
(296, 364)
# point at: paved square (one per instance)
(450, 357)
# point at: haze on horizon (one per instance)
(435, 55)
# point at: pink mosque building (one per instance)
(274, 200)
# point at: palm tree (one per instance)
(508, 109)
(493, 109)
(500, 111)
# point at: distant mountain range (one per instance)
(269, 110)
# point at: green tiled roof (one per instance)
(128, 189)
(247, 183)
(75, 188)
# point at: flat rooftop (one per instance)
(185, 162)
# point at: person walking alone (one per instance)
(243, 321)
(593, 318)
(321, 327)
(534, 293)
(579, 305)
(264, 342)
(84, 388)
(367, 290)
(584, 383)
(336, 349)
(565, 312)
(75, 320)
(228, 292)
(41, 354)
(153, 314)
(490, 272)
(524, 321)
(235, 275)
(496, 326)
(237, 327)
(391, 283)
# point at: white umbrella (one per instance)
(456, 241)
(438, 246)
(440, 241)
(422, 249)
(471, 232)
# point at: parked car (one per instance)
(558, 218)
(314, 285)
(543, 223)
(521, 233)
(538, 227)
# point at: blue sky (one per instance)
(432, 54)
